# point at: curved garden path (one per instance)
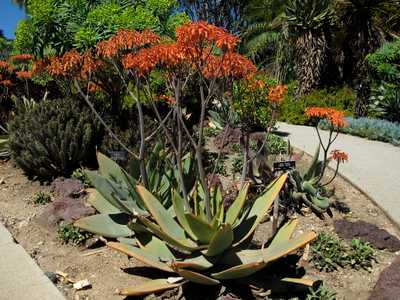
(373, 167)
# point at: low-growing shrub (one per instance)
(321, 293)
(70, 234)
(80, 175)
(41, 198)
(373, 129)
(237, 164)
(292, 109)
(328, 253)
(53, 138)
(362, 255)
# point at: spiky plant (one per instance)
(53, 138)
(183, 242)
(308, 21)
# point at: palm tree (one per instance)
(308, 23)
(367, 24)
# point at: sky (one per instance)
(9, 16)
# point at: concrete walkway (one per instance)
(20, 276)
(374, 167)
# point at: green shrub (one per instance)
(237, 164)
(362, 255)
(321, 293)
(53, 138)
(41, 198)
(80, 175)
(328, 253)
(70, 234)
(292, 109)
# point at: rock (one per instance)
(367, 232)
(64, 209)
(388, 284)
(2, 181)
(52, 276)
(67, 187)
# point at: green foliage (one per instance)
(252, 108)
(328, 253)
(55, 26)
(69, 234)
(41, 198)
(4, 147)
(321, 293)
(53, 138)
(385, 61)
(237, 164)
(276, 144)
(292, 108)
(362, 255)
(308, 14)
(80, 175)
(386, 102)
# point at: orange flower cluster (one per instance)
(6, 82)
(199, 34)
(335, 117)
(4, 64)
(71, 63)
(124, 40)
(231, 64)
(24, 74)
(277, 93)
(39, 66)
(256, 84)
(21, 57)
(339, 156)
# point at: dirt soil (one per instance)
(109, 270)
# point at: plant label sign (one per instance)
(118, 155)
(284, 165)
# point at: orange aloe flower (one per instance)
(24, 74)
(21, 57)
(339, 156)
(335, 117)
(277, 93)
(4, 64)
(6, 82)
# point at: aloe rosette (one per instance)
(184, 243)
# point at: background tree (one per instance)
(223, 13)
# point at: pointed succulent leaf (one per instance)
(184, 245)
(157, 248)
(160, 214)
(141, 255)
(202, 230)
(179, 208)
(108, 225)
(196, 277)
(313, 165)
(103, 186)
(240, 271)
(320, 202)
(221, 241)
(196, 263)
(100, 203)
(150, 287)
(285, 232)
(260, 207)
(111, 170)
(236, 208)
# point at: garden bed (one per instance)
(108, 270)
